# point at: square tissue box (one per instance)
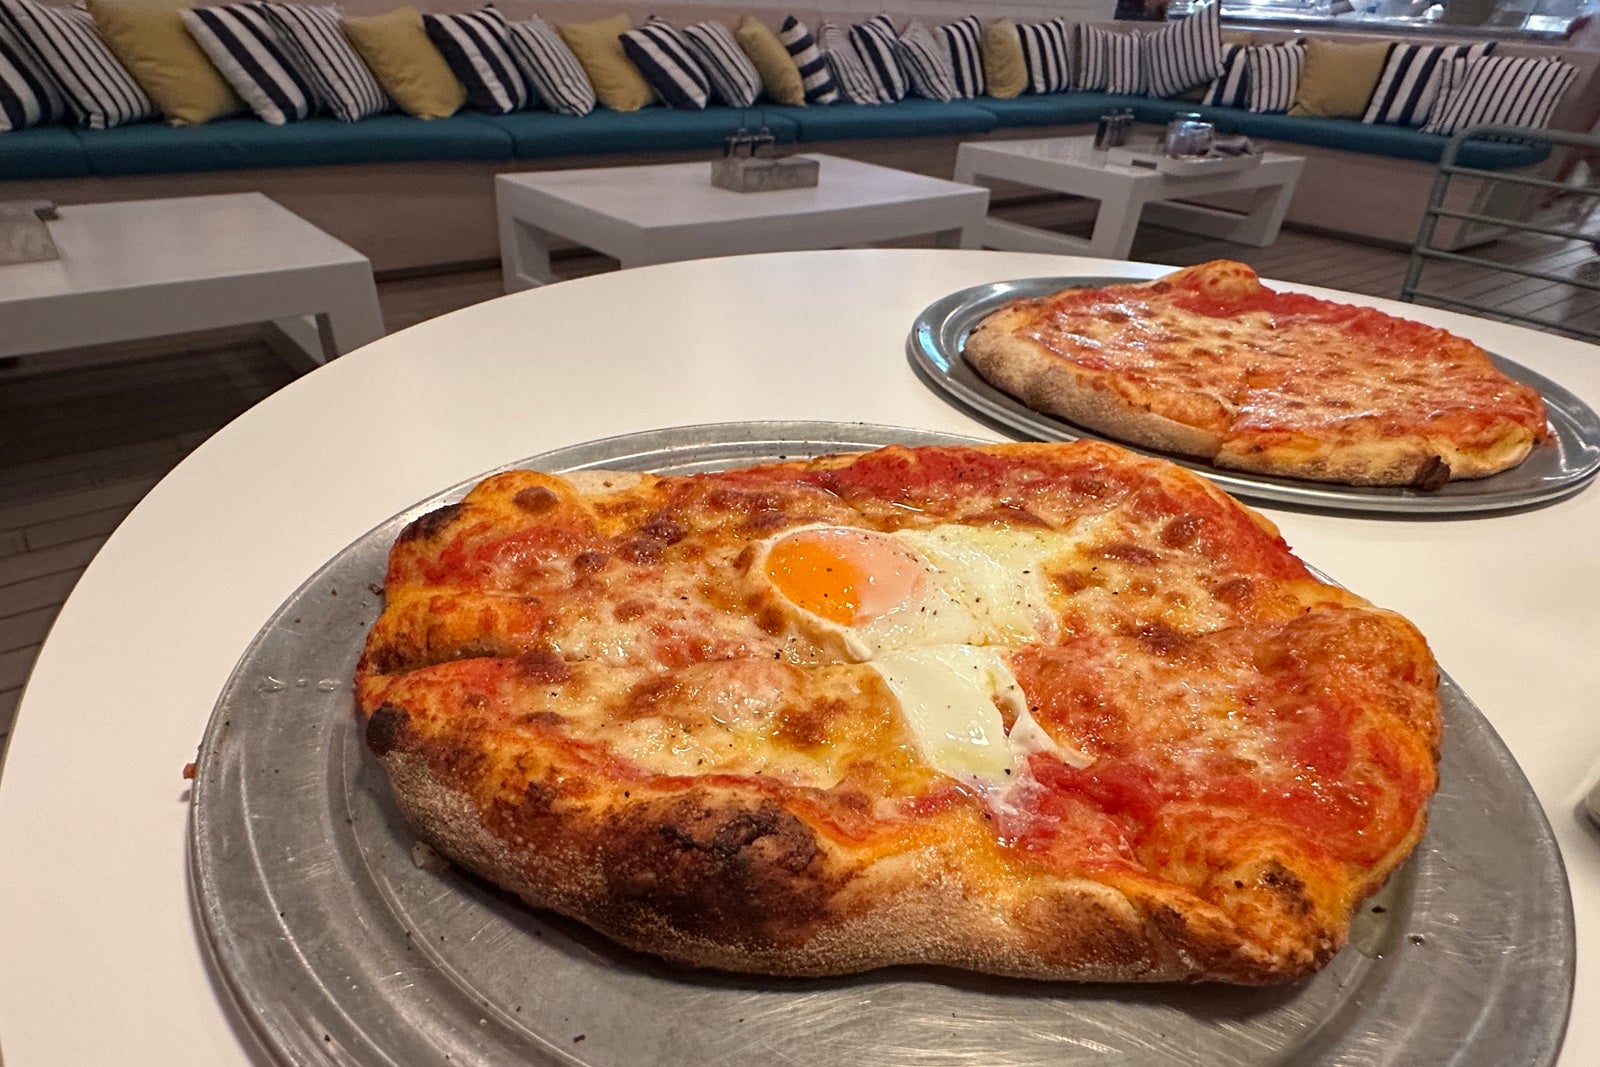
(752, 174)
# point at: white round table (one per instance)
(101, 958)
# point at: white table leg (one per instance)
(1115, 224)
(1260, 227)
(524, 253)
(353, 317)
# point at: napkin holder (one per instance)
(24, 237)
(744, 170)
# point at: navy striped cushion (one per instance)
(1047, 55)
(662, 56)
(316, 46)
(249, 54)
(925, 63)
(963, 40)
(28, 95)
(874, 42)
(63, 44)
(1272, 76)
(1228, 89)
(849, 73)
(815, 73)
(550, 67)
(734, 79)
(477, 46)
(1410, 81)
(1184, 54)
(1511, 90)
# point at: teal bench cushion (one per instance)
(541, 134)
(1052, 109)
(42, 152)
(913, 117)
(1400, 142)
(244, 144)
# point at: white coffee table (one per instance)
(148, 268)
(671, 212)
(1127, 195)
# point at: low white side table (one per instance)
(1127, 195)
(670, 212)
(147, 268)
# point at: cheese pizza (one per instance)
(1053, 711)
(1209, 362)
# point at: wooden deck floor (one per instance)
(82, 440)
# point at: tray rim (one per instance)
(1573, 420)
(293, 1045)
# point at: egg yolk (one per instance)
(844, 575)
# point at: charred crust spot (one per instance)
(589, 562)
(1235, 591)
(766, 521)
(770, 618)
(742, 872)
(665, 530)
(1287, 886)
(386, 729)
(1128, 552)
(383, 659)
(428, 526)
(645, 551)
(1433, 475)
(536, 499)
(1181, 531)
(629, 610)
(544, 666)
(544, 718)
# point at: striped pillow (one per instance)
(1272, 76)
(1185, 54)
(849, 73)
(925, 64)
(477, 46)
(317, 48)
(1410, 81)
(550, 67)
(1511, 90)
(1047, 55)
(1228, 90)
(249, 54)
(734, 79)
(1110, 61)
(28, 96)
(815, 74)
(874, 42)
(62, 43)
(662, 55)
(963, 39)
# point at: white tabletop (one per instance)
(100, 958)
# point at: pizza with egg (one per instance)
(1053, 711)
(1209, 362)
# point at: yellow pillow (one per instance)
(1339, 77)
(779, 75)
(617, 82)
(1002, 59)
(149, 37)
(408, 66)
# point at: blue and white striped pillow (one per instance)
(249, 54)
(477, 46)
(1228, 88)
(550, 67)
(734, 79)
(815, 74)
(28, 95)
(926, 65)
(1111, 61)
(1511, 90)
(316, 45)
(1272, 76)
(1412, 75)
(874, 42)
(963, 39)
(1184, 54)
(662, 56)
(1047, 55)
(62, 43)
(849, 73)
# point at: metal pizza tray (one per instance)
(341, 942)
(1553, 471)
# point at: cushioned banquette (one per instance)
(415, 194)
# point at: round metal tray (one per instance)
(341, 943)
(1553, 471)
